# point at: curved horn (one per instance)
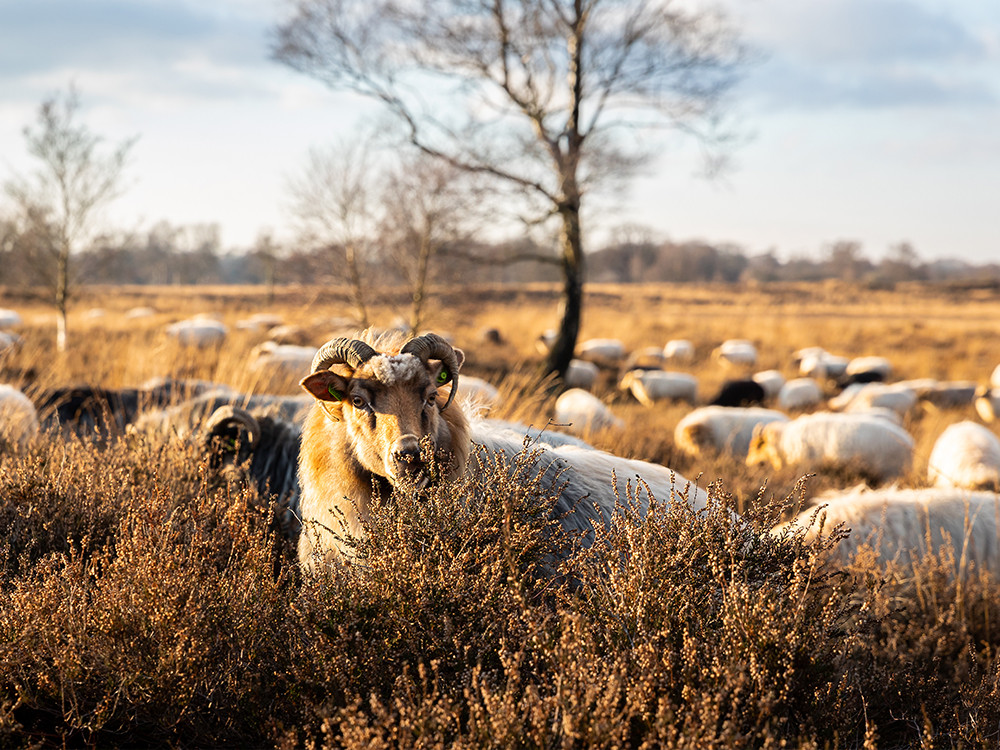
(229, 413)
(432, 346)
(350, 352)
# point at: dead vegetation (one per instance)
(143, 602)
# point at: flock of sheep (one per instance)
(384, 410)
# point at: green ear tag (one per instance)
(335, 393)
(443, 377)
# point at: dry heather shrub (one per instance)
(138, 606)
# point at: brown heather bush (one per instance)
(146, 603)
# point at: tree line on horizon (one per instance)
(182, 255)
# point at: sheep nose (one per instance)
(406, 455)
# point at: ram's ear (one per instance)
(326, 386)
(460, 356)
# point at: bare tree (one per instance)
(428, 206)
(61, 202)
(332, 198)
(540, 94)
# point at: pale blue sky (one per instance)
(871, 120)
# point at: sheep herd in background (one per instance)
(326, 450)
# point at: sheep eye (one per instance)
(359, 403)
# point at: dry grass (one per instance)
(145, 603)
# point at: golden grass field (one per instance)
(926, 332)
(145, 603)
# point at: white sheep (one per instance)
(862, 397)
(953, 394)
(602, 352)
(987, 403)
(873, 445)
(9, 319)
(384, 406)
(581, 374)
(898, 523)
(136, 313)
(583, 412)
(722, 429)
(18, 419)
(771, 381)
(281, 361)
(8, 342)
(822, 365)
(965, 455)
(198, 332)
(798, 394)
(995, 377)
(259, 322)
(877, 365)
(678, 351)
(476, 392)
(650, 386)
(738, 353)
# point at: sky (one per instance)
(876, 121)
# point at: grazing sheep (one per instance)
(771, 381)
(897, 523)
(100, 413)
(988, 403)
(678, 351)
(491, 335)
(965, 455)
(545, 341)
(722, 429)
(581, 374)
(945, 395)
(198, 332)
(266, 448)
(738, 353)
(822, 365)
(188, 417)
(602, 352)
(384, 416)
(875, 446)
(259, 321)
(646, 358)
(582, 412)
(136, 313)
(478, 392)
(650, 386)
(745, 392)
(282, 362)
(18, 419)
(879, 368)
(861, 397)
(798, 394)
(9, 319)
(8, 342)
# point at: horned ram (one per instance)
(384, 416)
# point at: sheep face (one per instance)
(764, 445)
(391, 410)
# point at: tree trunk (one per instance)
(571, 305)
(61, 299)
(420, 284)
(357, 283)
